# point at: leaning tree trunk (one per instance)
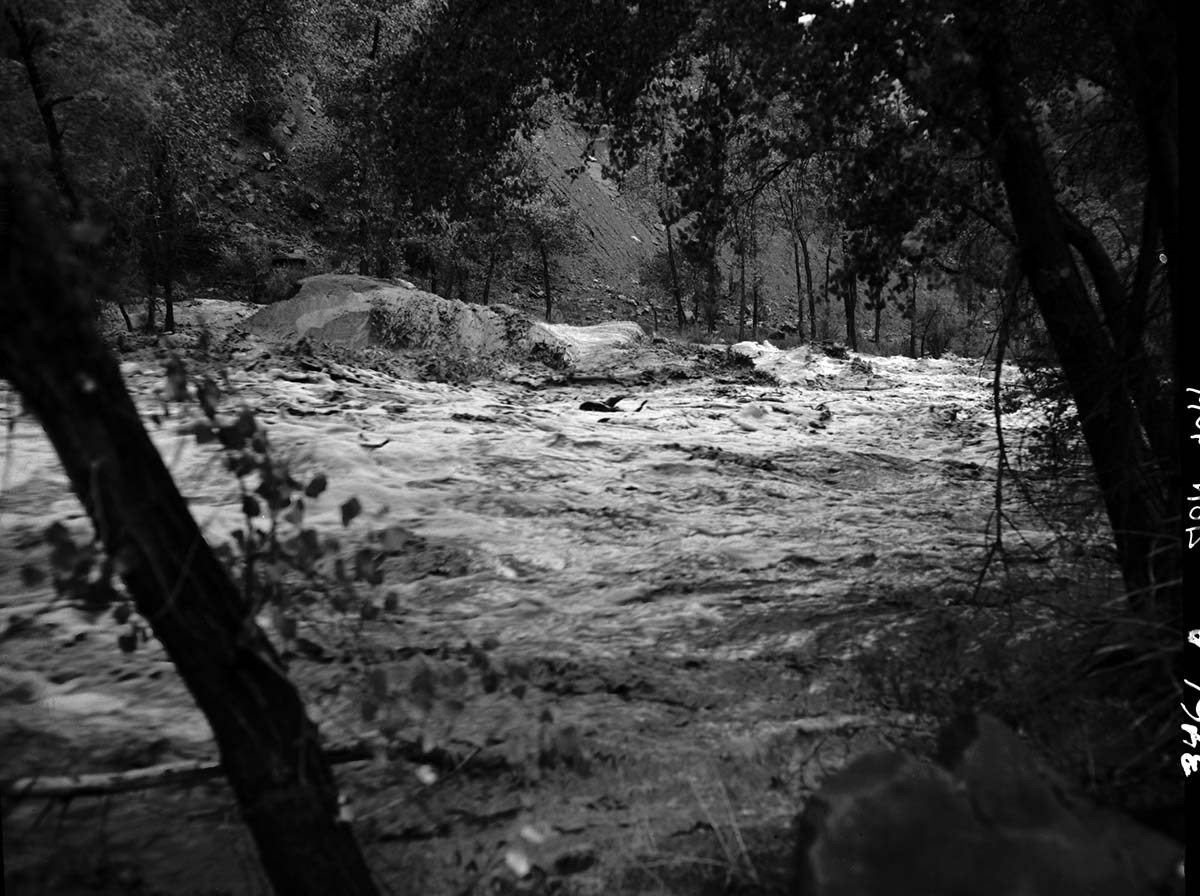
(1135, 489)
(51, 352)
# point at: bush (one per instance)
(1038, 668)
(247, 261)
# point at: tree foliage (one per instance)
(933, 113)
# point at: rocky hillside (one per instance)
(620, 232)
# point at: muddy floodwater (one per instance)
(612, 648)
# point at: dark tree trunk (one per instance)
(800, 248)
(151, 302)
(29, 39)
(461, 283)
(1136, 491)
(364, 246)
(812, 295)
(755, 275)
(1145, 34)
(381, 266)
(929, 321)
(149, 262)
(741, 295)
(850, 305)
(52, 354)
(125, 315)
(167, 267)
(166, 192)
(1124, 319)
(169, 304)
(711, 305)
(376, 32)
(876, 298)
(546, 281)
(1143, 279)
(912, 319)
(680, 316)
(799, 288)
(754, 307)
(825, 292)
(487, 275)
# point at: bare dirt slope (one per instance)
(620, 232)
(619, 634)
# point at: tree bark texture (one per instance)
(51, 352)
(1134, 486)
(850, 305)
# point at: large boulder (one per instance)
(359, 312)
(356, 312)
(990, 820)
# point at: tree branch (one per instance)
(28, 41)
(1106, 280)
(990, 219)
(59, 100)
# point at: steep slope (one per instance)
(621, 232)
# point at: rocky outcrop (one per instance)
(355, 312)
(988, 820)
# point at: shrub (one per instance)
(247, 261)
